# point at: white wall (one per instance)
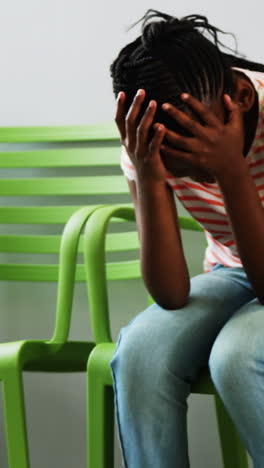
(54, 69)
(55, 54)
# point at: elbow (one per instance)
(259, 294)
(173, 303)
(169, 296)
(261, 299)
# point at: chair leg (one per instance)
(15, 420)
(233, 452)
(100, 417)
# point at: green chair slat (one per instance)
(122, 241)
(189, 224)
(30, 244)
(16, 272)
(123, 270)
(64, 186)
(114, 271)
(51, 243)
(40, 214)
(68, 157)
(100, 132)
(37, 214)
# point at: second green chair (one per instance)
(100, 402)
(39, 169)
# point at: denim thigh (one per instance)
(185, 336)
(158, 354)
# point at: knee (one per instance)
(147, 345)
(130, 347)
(132, 362)
(231, 357)
(222, 360)
(137, 346)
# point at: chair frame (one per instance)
(56, 354)
(100, 402)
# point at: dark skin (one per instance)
(247, 101)
(247, 98)
(221, 137)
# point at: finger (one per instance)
(132, 115)
(156, 141)
(120, 115)
(230, 105)
(194, 128)
(177, 154)
(180, 142)
(206, 115)
(145, 123)
(235, 115)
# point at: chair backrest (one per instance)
(100, 269)
(47, 173)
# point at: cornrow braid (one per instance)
(172, 56)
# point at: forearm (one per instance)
(246, 215)
(163, 264)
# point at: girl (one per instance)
(191, 122)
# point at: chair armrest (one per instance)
(95, 263)
(67, 267)
(95, 266)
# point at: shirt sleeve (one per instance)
(130, 172)
(126, 165)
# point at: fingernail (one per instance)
(184, 96)
(152, 104)
(165, 106)
(139, 92)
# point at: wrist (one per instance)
(149, 183)
(233, 174)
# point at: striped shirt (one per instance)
(204, 201)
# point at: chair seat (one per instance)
(37, 355)
(31, 355)
(102, 354)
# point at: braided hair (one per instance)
(172, 56)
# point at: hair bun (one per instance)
(154, 33)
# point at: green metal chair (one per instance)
(81, 148)
(100, 406)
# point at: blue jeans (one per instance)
(160, 352)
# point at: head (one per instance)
(172, 56)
